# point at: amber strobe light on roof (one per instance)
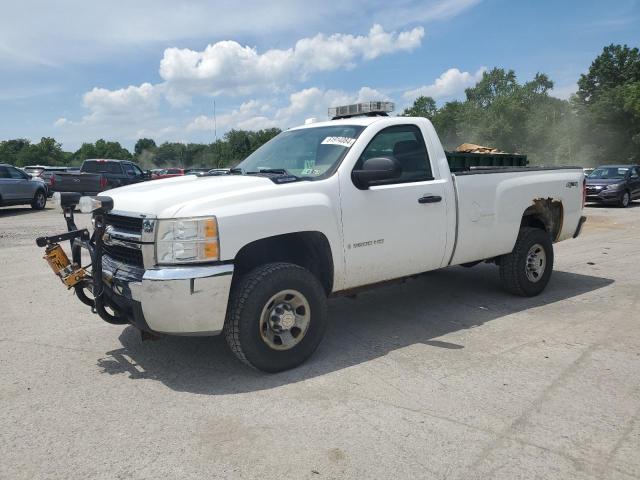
(364, 108)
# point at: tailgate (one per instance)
(77, 182)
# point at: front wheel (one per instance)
(39, 200)
(625, 200)
(276, 317)
(527, 269)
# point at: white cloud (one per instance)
(303, 104)
(227, 67)
(129, 101)
(124, 114)
(451, 84)
(249, 116)
(230, 68)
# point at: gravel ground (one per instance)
(441, 377)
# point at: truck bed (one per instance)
(489, 201)
(479, 170)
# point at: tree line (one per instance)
(599, 124)
(227, 151)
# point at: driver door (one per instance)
(24, 187)
(10, 180)
(399, 228)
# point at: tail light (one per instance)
(103, 182)
(52, 180)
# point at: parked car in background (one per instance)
(167, 173)
(19, 188)
(587, 171)
(614, 184)
(154, 172)
(47, 176)
(196, 170)
(219, 171)
(98, 175)
(34, 170)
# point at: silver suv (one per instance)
(18, 188)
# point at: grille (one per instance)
(130, 256)
(128, 224)
(129, 273)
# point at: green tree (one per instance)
(607, 102)
(101, 149)
(144, 144)
(170, 154)
(239, 144)
(10, 149)
(617, 65)
(422, 107)
(495, 84)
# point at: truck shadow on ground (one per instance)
(361, 329)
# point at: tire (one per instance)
(39, 200)
(250, 329)
(625, 200)
(527, 269)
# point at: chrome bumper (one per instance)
(174, 300)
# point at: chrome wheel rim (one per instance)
(40, 200)
(625, 199)
(285, 320)
(536, 263)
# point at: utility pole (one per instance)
(215, 134)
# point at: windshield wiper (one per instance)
(274, 171)
(279, 171)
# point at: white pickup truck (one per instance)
(320, 210)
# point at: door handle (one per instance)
(430, 199)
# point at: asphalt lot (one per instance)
(442, 377)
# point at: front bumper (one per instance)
(172, 300)
(604, 196)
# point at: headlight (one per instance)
(187, 240)
(615, 186)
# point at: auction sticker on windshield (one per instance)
(342, 141)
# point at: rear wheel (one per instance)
(276, 317)
(527, 269)
(39, 200)
(625, 200)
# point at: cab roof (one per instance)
(362, 121)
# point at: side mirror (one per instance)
(375, 171)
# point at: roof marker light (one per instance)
(370, 109)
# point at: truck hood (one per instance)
(165, 198)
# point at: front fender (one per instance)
(240, 225)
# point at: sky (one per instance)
(78, 70)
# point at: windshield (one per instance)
(308, 152)
(609, 172)
(101, 166)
